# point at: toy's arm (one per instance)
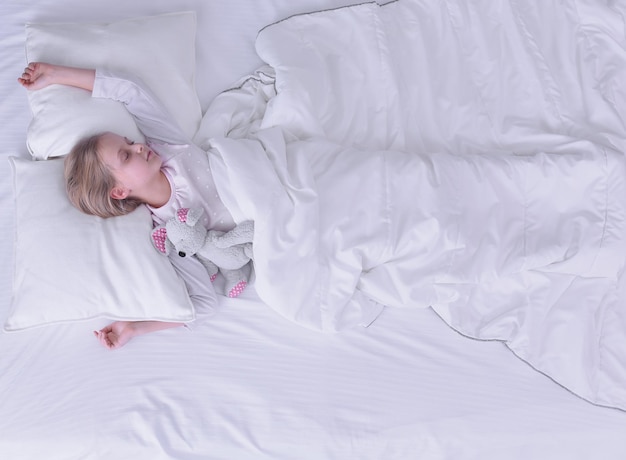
(242, 233)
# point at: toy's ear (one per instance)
(189, 216)
(160, 241)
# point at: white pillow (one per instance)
(160, 50)
(71, 266)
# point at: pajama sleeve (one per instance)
(199, 287)
(151, 116)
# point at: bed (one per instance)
(257, 380)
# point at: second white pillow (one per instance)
(70, 266)
(160, 50)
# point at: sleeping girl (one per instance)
(108, 175)
(343, 231)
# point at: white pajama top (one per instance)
(185, 165)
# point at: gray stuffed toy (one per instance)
(228, 253)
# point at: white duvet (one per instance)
(464, 156)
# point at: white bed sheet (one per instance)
(249, 384)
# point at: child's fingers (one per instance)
(29, 72)
(102, 338)
(25, 79)
(108, 339)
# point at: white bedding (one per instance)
(524, 244)
(249, 384)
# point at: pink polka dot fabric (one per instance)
(238, 289)
(159, 236)
(181, 214)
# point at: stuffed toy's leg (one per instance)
(235, 280)
(242, 233)
(210, 267)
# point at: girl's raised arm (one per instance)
(38, 75)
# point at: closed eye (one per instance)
(129, 142)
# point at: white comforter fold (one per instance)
(463, 156)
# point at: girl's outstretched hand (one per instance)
(116, 334)
(119, 333)
(37, 75)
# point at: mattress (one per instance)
(249, 384)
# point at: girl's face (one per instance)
(135, 167)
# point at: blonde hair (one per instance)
(89, 181)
